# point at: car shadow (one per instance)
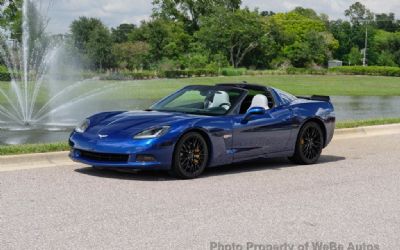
(137, 175)
(237, 168)
(264, 164)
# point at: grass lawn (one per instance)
(363, 123)
(63, 146)
(33, 148)
(324, 85)
(295, 84)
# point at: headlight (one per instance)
(152, 133)
(83, 126)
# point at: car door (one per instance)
(262, 134)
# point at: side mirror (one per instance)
(253, 111)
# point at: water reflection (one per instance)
(366, 107)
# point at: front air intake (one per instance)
(102, 157)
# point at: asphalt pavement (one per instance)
(351, 198)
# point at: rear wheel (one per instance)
(190, 156)
(309, 144)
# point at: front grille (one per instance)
(104, 157)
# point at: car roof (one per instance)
(243, 85)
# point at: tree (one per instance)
(190, 11)
(93, 40)
(235, 33)
(298, 53)
(81, 30)
(99, 48)
(304, 38)
(386, 59)
(386, 22)
(354, 57)
(358, 13)
(387, 46)
(196, 61)
(121, 33)
(11, 17)
(309, 13)
(342, 31)
(37, 43)
(131, 55)
(322, 45)
(313, 50)
(361, 20)
(295, 26)
(166, 38)
(267, 13)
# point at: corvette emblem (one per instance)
(102, 136)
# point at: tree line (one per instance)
(187, 34)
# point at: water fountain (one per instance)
(37, 98)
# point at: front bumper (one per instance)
(121, 153)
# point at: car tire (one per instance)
(190, 156)
(309, 144)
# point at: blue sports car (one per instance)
(207, 126)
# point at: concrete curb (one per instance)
(43, 160)
(367, 131)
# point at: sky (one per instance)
(115, 12)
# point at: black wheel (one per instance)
(309, 144)
(190, 156)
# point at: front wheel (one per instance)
(309, 144)
(190, 156)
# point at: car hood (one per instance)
(133, 122)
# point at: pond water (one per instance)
(346, 108)
(366, 107)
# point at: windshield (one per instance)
(206, 100)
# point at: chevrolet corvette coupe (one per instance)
(206, 126)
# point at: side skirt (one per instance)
(266, 156)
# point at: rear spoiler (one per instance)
(316, 98)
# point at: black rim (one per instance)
(311, 143)
(192, 154)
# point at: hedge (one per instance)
(188, 73)
(233, 71)
(129, 75)
(306, 71)
(6, 77)
(370, 70)
(344, 70)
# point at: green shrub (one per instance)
(370, 70)
(305, 71)
(189, 73)
(88, 74)
(4, 75)
(233, 71)
(265, 72)
(129, 75)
